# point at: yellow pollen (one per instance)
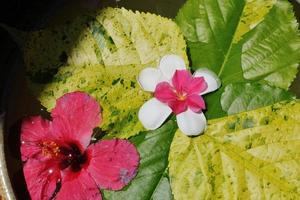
(181, 97)
(50, 148)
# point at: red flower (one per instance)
(61, 163)
(184, 92)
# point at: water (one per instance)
(21, 103)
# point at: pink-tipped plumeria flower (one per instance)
(176, 90)
(60, 162)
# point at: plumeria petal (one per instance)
(169, 64)
(149, 78)
(79, 186)
(153, 113)
(197, 86)
(79, 113)
(113, 163)
(212, 80)
(196, 103)
(191, 123)
(164, 92)
(33, 131)
(41, 178)
(181, 80)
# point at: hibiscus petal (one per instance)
(191, 123)
(33, 131)
(113, 163)
(153, 114)
(79, 186)
(149, 78)
(79, 113)
(164, 92)
(181, 80)
(212, 80)
(196, 103)
(169, 64)
(41, 178)
(66, 134)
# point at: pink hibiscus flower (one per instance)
(60, 162)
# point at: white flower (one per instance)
(176, 90)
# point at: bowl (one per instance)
(16, 99)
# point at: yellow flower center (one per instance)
(50, 148)
(181, 96)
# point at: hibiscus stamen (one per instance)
(50, 148)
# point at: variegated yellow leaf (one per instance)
(253, 13)
(111, 37)
(114, 89)
(115, 46)
(253, 155)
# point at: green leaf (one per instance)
(252, 155)
(241, 41)
(249, 96)
(115, 46)
(151, 181)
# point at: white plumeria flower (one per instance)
(176, 90)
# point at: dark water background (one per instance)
(16, 99)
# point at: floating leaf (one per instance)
(114, 89)
(252, 155)
(111, 37)
(122, 41)
(242, 41)
(248, 96)
(151, 181)
(46, 50)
